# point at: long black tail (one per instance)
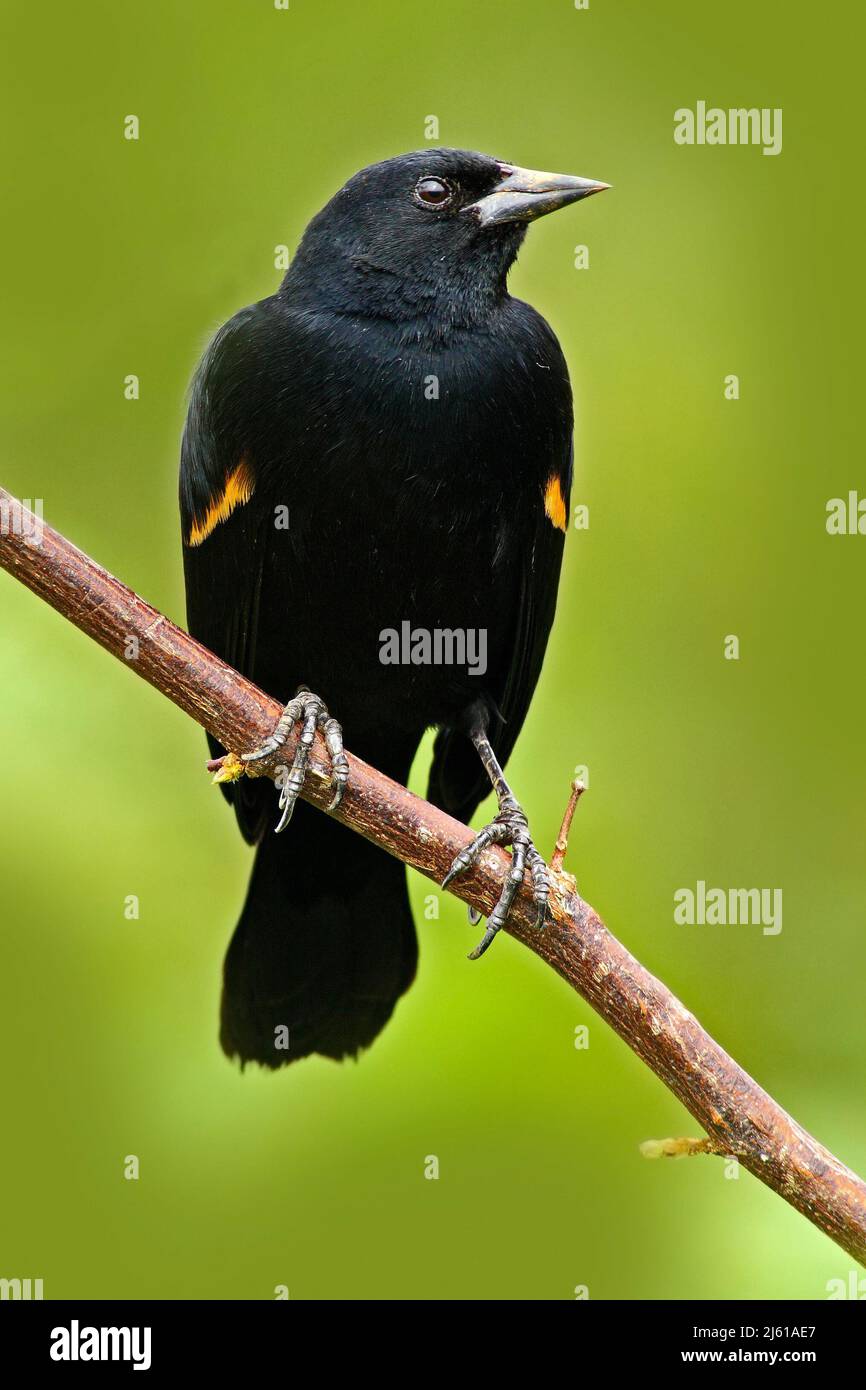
(324, 948)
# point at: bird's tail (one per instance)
(324, 948)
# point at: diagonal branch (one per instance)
(740, 1118)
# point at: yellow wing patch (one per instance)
(554, 503)
(239, 487)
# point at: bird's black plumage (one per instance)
(387, 439)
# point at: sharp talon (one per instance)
(460, 865)
(496, 833)
(258, 754)
(474, 916)
(339, 762)
(483, 944)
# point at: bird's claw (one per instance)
(311, 712)
(509, 828)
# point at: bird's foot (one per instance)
(509, 828)
(311, 712)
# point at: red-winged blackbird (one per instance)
(377, 465)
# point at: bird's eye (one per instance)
(433, 193)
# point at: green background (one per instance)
(706, 518)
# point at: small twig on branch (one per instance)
(561, 846)
(739, 1117)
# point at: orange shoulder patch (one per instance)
(239, 488)
(554, 503)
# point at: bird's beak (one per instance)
(525, 194)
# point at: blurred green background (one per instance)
(707, 517)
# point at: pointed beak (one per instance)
(525, 194)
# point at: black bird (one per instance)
(382, 447)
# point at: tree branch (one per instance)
(740, 1118)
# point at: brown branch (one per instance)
(740, 1118)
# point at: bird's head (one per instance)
(432, 233)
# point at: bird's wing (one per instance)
(457, 781)
(223, 542)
